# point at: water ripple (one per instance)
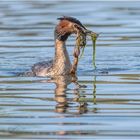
(107, 104)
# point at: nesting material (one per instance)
(81, 44)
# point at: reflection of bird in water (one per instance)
(79, 92)
(61, 64)
(61, 83)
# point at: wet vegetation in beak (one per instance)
(81, 44)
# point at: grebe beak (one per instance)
(89, 33)
(85, 31)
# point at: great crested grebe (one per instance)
(61, 64)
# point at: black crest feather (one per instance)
(71, 19)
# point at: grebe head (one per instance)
(68, 26)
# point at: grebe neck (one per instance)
(61, 60)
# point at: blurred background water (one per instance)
(109, 106)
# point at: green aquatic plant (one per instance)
(81, 43)
(94, 38)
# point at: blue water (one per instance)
(107, 106)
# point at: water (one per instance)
(106, 107)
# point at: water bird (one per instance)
(61, 64)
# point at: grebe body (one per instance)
(61, 64)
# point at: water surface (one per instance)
(107, 107)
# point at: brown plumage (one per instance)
(61, 64)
